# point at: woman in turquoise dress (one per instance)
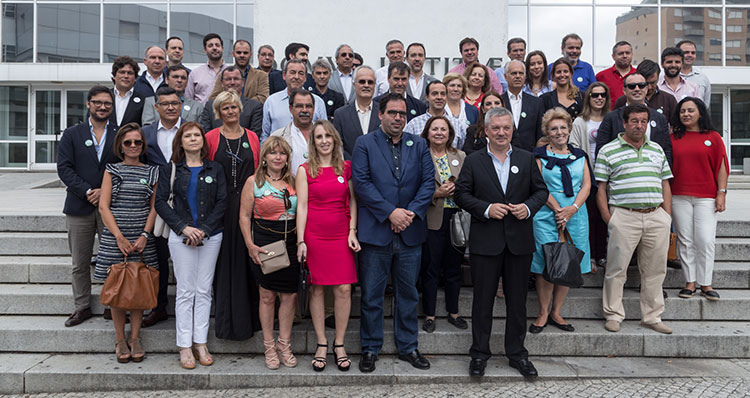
(568, 176)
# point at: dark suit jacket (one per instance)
(379, 191)
(79, 168)
(478, 186)
(143, 87)
(251, 117)
(414, 107)
(529, 129)
(133, 112)
(612, 126)
(333, 99)
(549, 101)
(346, 121)
(154, 155)
(276, 82)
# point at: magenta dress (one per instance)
(329, 258)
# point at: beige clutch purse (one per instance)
(275, 259)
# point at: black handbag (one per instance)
(563, 261)
(303, 288)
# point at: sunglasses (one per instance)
(347, 55)
(132, 142)
(632, 86)
(287, 200)
(363, 81)
(598, 95)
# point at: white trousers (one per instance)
(695, 224)
(194, 270)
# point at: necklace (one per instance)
(564, 151)
(273, 179)
(234, 155)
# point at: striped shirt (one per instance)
(634, 175)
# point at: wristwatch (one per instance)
(723, 190)
(146, 234)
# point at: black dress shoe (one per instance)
(476, 367)
(536, 329)
(458, 322)
(674, 264)
(428, 325)
(77, 317)
(153, 318)
(415, 359)
(525, 367)
(567, 327)
(330, 322)
(367, 362)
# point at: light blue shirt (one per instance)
(502, 169)
(99, 146)
(500, 72)
(276, 112)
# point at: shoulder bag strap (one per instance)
(170, 201)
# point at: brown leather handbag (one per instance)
(130, 285)
(276, 256)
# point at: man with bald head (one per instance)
(155, 59)
(526, 109)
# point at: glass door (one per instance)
(54, 109)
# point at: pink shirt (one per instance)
(201, 82)
(685, 88)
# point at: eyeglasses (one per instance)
(132, 142)
(174, 104)
(393, 112)
(598, 95)
(287, 200)
(97, 104)
(347, 55)
(366, 81)
(632, 86)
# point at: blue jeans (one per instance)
(402, 263)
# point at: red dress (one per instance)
(329, 258)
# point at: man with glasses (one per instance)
(128, 105)
(656, 99)
(393, 177)
(176, 79)
(84, 151)
(356, 119)
(342, 79)
(251, 116)
(298, 133)
(159, 137)
(254, 83)
(276, 112)
(265, 58)
(622, 54)
(635, 93)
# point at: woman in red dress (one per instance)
(327, 235)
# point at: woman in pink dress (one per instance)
(327, 235)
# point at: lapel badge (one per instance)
(88, 143)
(209, 179)
(523, 115)
(455, 162)
(707, 142)
(514, 169)
(341, 179)
(409, 143)
(245, 145)
(137, 100)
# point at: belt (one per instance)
(644, 210)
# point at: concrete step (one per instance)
(33, 223)
(34, 244)
(711, 339)
(42, 269)
(59, 373)
(28, 299)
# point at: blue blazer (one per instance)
(379, 191)
(154, 156)
(143, 88)
(79, 168)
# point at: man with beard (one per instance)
(656, 99)
(254, 84)
(436, 97)
(693, 74)
(622, 54)
(418, 80)
(176, 78)
(583, 73)
(276, 112)
(297, 133)
(84, 151)
(671, 81)
(202, 80)
(251, 116)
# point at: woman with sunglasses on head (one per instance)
(327, 235)
(127, 208)
(537, 82)
(195, 219)
(596, 104)
(237, 150)
(478, 84)
(267, 215)
(442, 256)
(565, 95)
(475, 137)
(699, 192)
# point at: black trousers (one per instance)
(441, 256)
(162, 256)
(485, 272)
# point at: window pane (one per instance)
(131, 28)
(550, 24)
(738, 153)
(18, 34)
(245, 24)
(716, 112)
(740, 108)
(77, 111)
(68, 33)
(192, 22)
(14, 112)
(47, 112)
(46, 151)
(516, 23)
(699, 25)
(13, 154)
(738, 36)
(683, 1)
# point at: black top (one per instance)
(549, 101)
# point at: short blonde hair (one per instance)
(453, 76)
(224, 98)
(553, 114)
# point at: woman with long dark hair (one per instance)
(537, 82)
(565, 95)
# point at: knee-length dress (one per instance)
(132, 187)
(329, 258)
(545, 227)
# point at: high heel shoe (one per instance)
(320, 360)
(122, 351)
(204, 357)
(272, 357)
(341, 360)
(137, 353)
(284, 349)
(186, 358)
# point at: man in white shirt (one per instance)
(693, 74)
(128, 103)
(155, 60)
(526, 109)
(418, 80)
(297, 133)
(342, 78)
(394, 51)
(359, 117)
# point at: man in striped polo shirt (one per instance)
(636, 204)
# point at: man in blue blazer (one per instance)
(393, 179)
(84, 151)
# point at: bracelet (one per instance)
(353, 229)
(302, 242)
(576, 206)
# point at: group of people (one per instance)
(357, 174)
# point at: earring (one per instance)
(264, 163)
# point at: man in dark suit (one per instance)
(342, 77)
(153, 77)
(393, 176)
(251, 116)
(159, 137)
(276, 81)
(128, 107)
(502, 188)
(398, 81)
(84, 151)
(526, 108)
(635, 87)
(356, 119)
